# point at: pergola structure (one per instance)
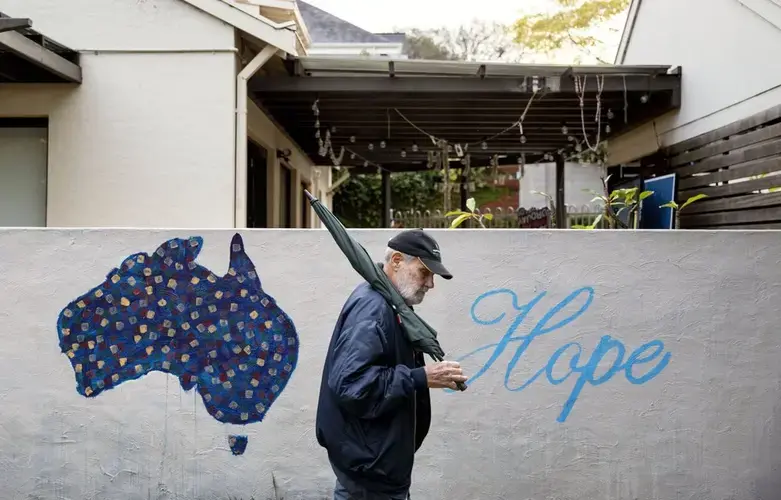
(27, 56)
(370, 114)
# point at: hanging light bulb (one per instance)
(644, 98)
(578, 147)
(382, 144)
(571, 138)
(607, 128)
(317, 134)
(520, 160)
(484, 145)
(523, 139)
(317, 123)
(403, 153)
(564, 129)
(333, 129)
(365, 163)
(371, 147)
(415, 147)
(610, 114)
(352, 138)
(352, 156)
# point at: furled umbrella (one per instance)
(420, 334)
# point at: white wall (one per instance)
(725, 51)
(263, 131)
(706, 426)
(147, 139)
(577, 177)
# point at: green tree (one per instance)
(420, 45)
(358, 202)
(476, 41)
(571, 25)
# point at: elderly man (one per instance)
(374, 409)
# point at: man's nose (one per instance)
(430, 281)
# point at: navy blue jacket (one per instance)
(374, 408)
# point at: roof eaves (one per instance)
(280, 35)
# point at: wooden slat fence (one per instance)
(739, 167)
(502, 218)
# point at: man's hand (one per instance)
(444, 374)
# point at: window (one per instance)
(23, 168)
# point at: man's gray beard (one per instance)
(412, 294)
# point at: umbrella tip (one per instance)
(309, 195)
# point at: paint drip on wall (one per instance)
(224, 335)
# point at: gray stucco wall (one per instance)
(705, 425)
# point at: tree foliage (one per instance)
(571, 25)
(420, 45)
(358, 202)
(476, 41)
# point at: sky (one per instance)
(378, 17)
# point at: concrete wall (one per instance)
(685, 403)
(729, 40)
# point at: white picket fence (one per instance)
(502, 218)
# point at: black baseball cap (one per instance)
(418, 244)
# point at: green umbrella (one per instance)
(418, 332)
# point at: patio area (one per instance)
(369, 115)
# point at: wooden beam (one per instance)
(386, 199)
(746, 187)
(561, 207)
(748, 154)
(742, 171)
(735, 203)
(727, 145)
(726, 131)
(341, 82)
(40, 56)
(14, 24)
(761, 215)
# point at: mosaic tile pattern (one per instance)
(223, 335)
(238, 444)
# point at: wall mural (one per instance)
(559, 316)
(224, 335)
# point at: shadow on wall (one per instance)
(768, 462)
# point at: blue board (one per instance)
(655, 217)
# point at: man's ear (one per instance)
(396, 258)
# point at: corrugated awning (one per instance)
(27, 56)
(387, 111)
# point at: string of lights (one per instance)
(575, 149)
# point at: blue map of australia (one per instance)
(224, 335)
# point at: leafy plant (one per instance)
(617, 202)
(472, 214)
(674, 206)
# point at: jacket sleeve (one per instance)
(361, 383)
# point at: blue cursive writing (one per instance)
(554, 320)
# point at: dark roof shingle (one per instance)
(327, 28)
